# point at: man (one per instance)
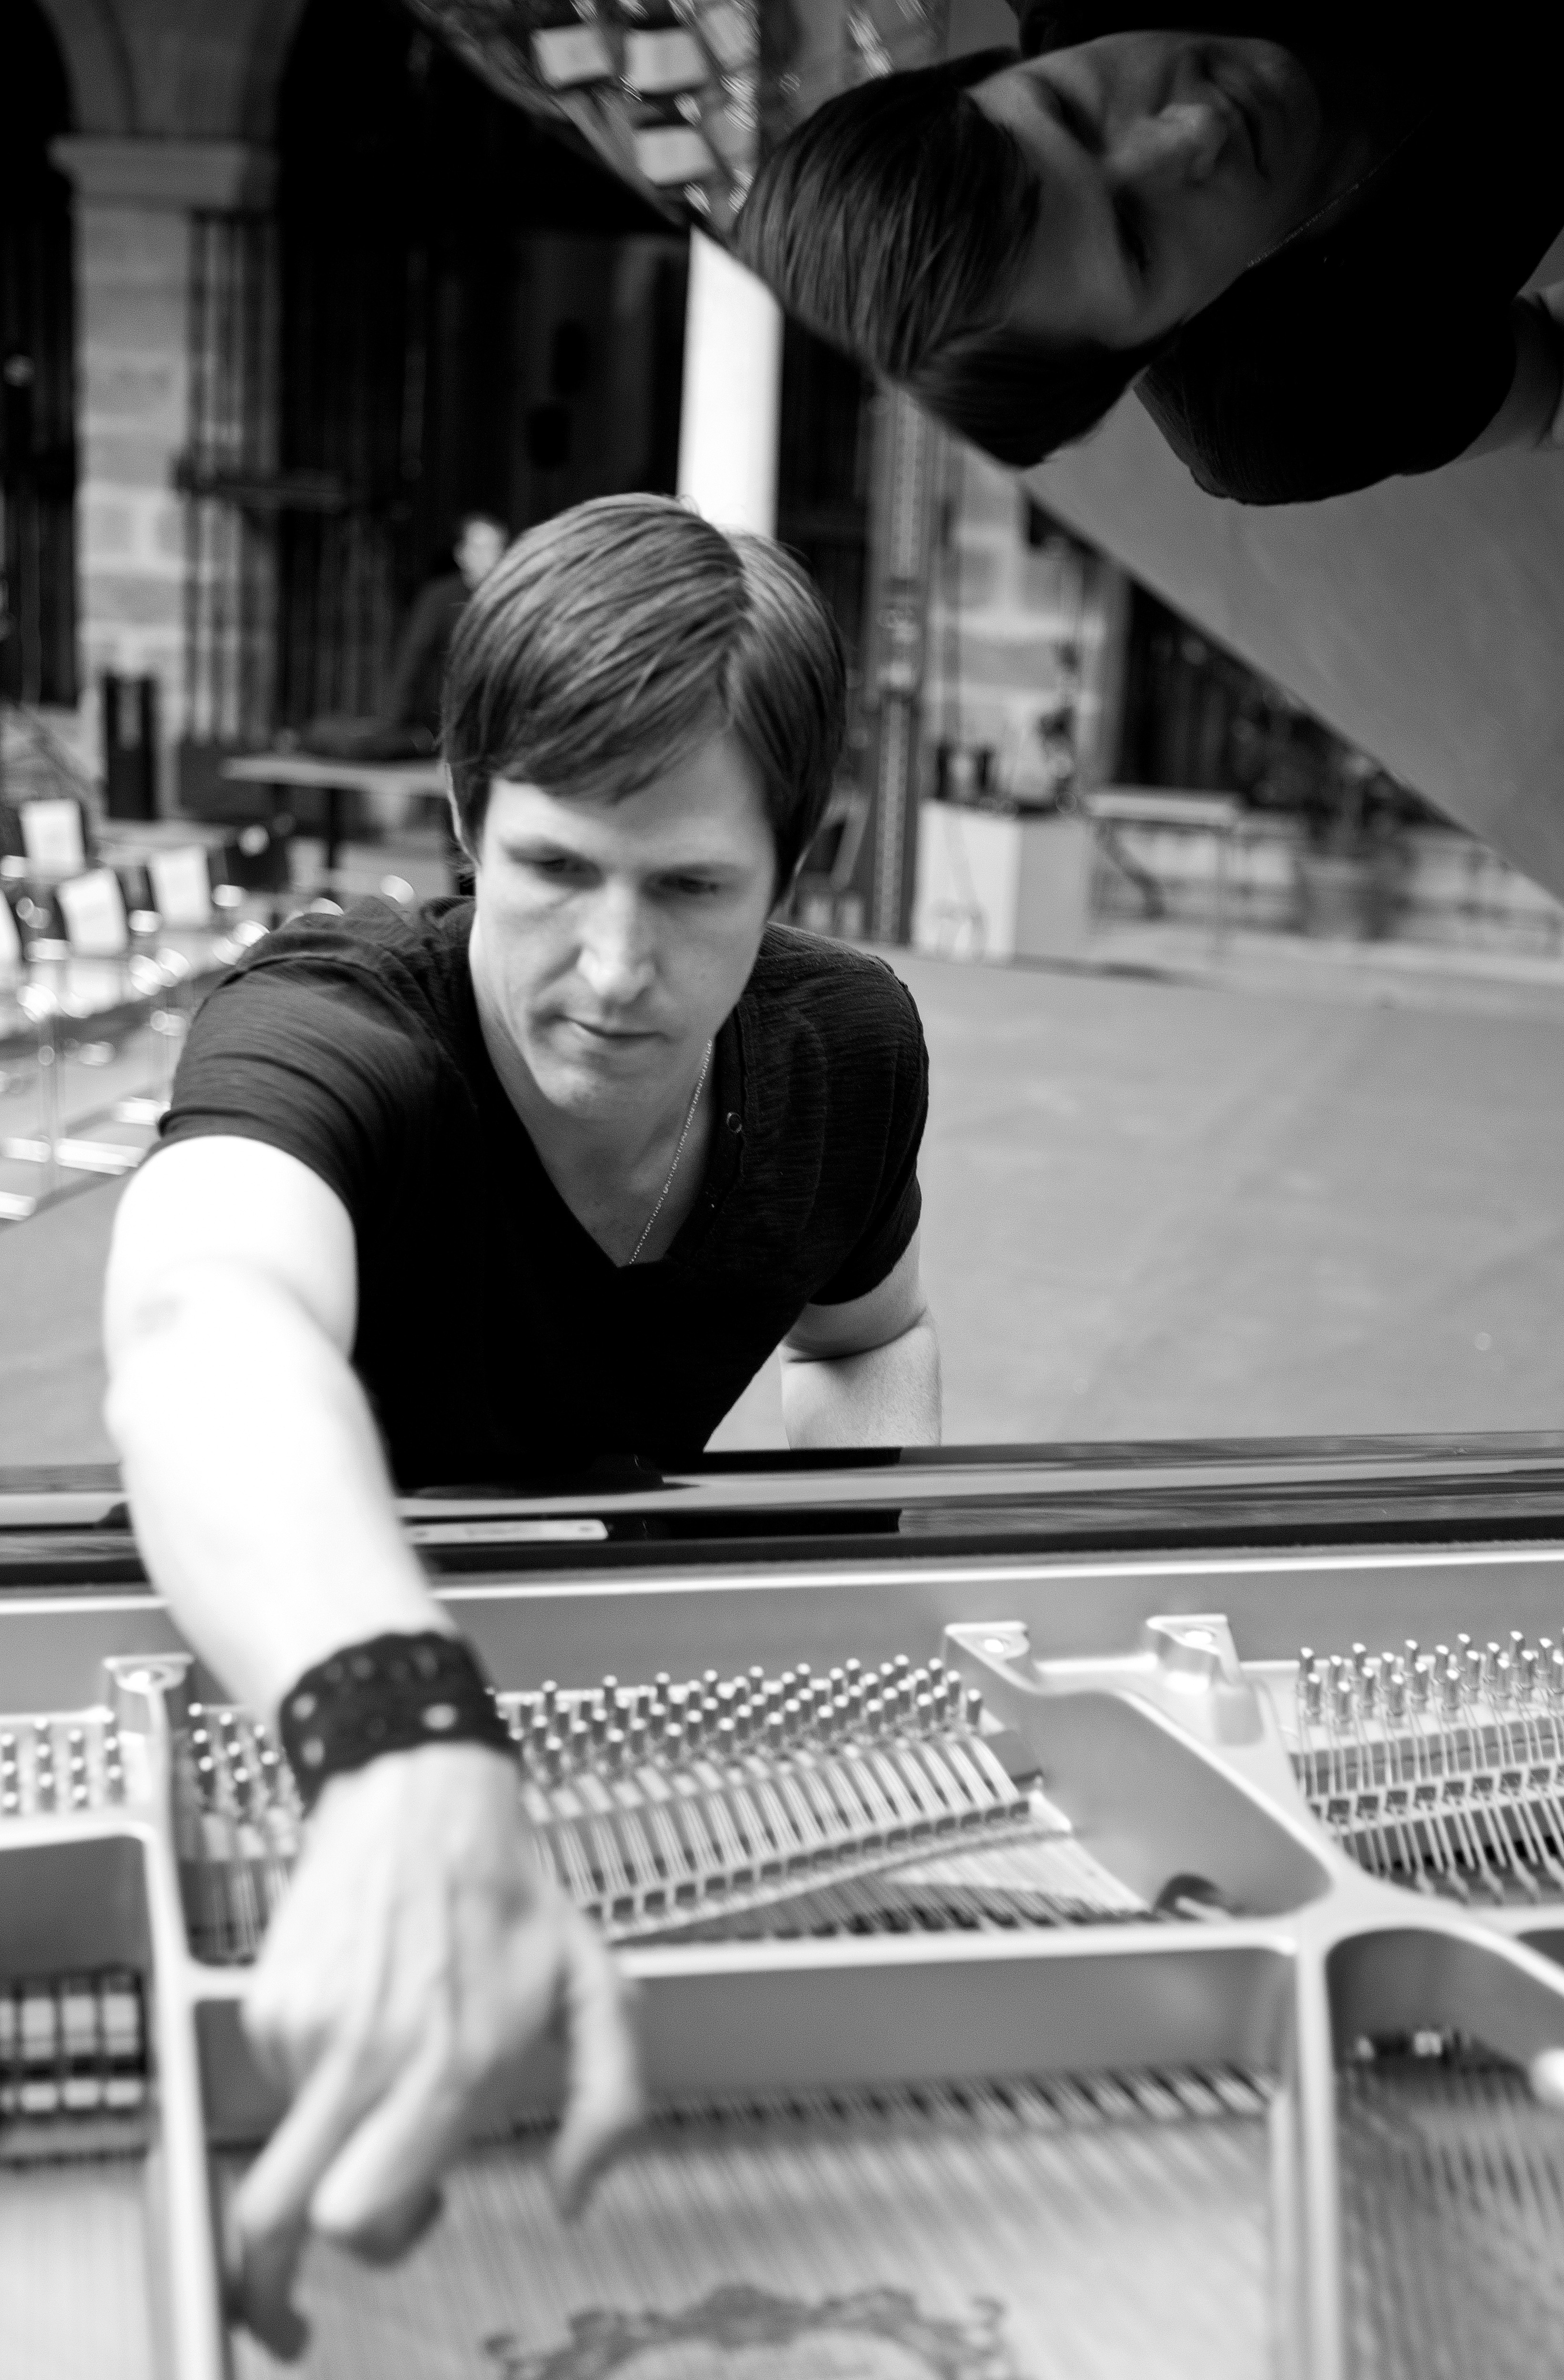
(522, 1181)
(409, 726)
(1298, 233)
(420, 668)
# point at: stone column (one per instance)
(134, 202)
(731, 411)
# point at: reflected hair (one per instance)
(893, 222)
(613, 641)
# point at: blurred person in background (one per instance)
(409, 726)
(1298, 233)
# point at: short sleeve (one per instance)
(898, 1204)
(1272, 405)
(311, 1060)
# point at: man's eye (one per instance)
(688, 887)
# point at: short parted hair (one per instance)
(893, 222)
(614, 640)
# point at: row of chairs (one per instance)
(107, 933)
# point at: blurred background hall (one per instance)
(1228, 895)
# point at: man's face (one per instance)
(612, 939)
(478, 549)
(1168, 162)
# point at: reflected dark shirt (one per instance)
(1383, 345)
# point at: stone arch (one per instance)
(97, 62)
(274, 24)
(210, 75)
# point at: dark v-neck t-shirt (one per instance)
(496, 1338)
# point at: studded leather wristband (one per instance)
(391, 1693)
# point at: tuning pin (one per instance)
(971, 1708)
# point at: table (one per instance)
(334, 778)
(1215, 814)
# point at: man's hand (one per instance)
(418, 1954)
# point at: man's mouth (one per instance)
(603, 1032)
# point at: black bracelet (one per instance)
(392, 1693)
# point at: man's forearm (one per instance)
(259, 1491)
(888, 1396)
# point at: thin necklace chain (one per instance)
(678, 1152)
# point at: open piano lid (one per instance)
(678, 98)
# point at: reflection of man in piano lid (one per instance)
(491, 1191)
(1297, 234)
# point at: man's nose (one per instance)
(618, 952)
(1180, 143)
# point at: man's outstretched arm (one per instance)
(419, 1952)
(866, 1372)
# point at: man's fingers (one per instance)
(1547, 2073)
(258, 2279)
(604, 2101)
(271, 2206)
(387, 2171)
(403, 2227)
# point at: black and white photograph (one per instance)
(781, 1191)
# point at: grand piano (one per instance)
(1094, 1908)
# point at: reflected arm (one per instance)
(1531, 416)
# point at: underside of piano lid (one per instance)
(1058, 1951)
